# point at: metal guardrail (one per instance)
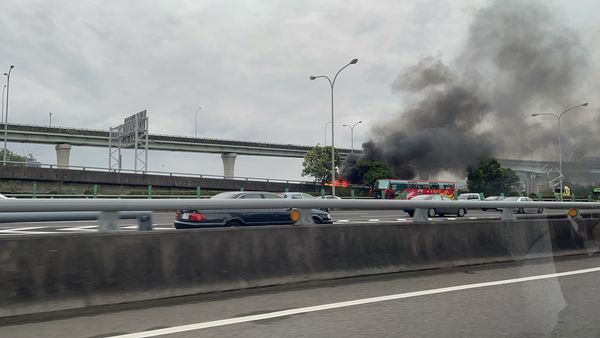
(110, 208)
(144, 218)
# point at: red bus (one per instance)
(407, 189)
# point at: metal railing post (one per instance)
(352, 193)
(95, 190)
(198, 192)
(34, 189)
(149, 190)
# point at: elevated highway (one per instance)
(64, 138)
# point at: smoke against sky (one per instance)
(517, 59)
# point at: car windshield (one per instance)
(226, 195)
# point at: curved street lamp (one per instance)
(325, 134)
(196, 123)
(331, 84)
(3, 91)
(557, 117)
(6, 113)
(351, 134)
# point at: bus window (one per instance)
(423, 185)
(383, 184)
(434, 185)
(412, 185)
(399, 186)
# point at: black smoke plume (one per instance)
(517, 60)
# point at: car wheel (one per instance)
(431, 212)
(233, 224)
(484, 209)
(410, 213)
(317, 220)
(540, 210)
(461, 212)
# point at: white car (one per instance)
(523, 199)
(2, 197)
(329, 197)
(469, 197)
(297, 195)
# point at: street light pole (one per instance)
(325, 134)
(196, 123)
(560, 141)
(3, 91)
(532, 176)
(351, 134)
(6, 113)
(331, 85)
(50, 120)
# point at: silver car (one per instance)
(460, 212)
(525, 209)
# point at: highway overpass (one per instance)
(64, 138)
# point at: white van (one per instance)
(469, 197)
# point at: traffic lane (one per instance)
(167, 218)
(537, 302)
(164, 222)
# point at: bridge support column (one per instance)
(63, 151)
(228, 164)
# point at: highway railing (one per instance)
(110, 208)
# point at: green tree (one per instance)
(12, 157)
(317, 163)
(490, 178)
(372, 170)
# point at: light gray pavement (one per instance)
(566, 306)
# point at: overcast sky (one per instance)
(246, 63)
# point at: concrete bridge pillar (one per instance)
(228, 164)
(63, 151)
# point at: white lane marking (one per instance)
(472, 217)
(374, 220)
(402, 219)
(230, 321)
(24, 231)
(81, 228)
(451, 218)
(343, 220)
(54, 222)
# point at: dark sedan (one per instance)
(460, 212)
(217, 218)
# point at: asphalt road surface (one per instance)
(164, 221)
(549, 298)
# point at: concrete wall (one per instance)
(46, 273)
(79, 178)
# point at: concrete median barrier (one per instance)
(59, 272)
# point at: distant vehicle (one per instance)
(2, 197)
(523, 210)
(297, 195)
(469, 197)
(460, 212)
(329, 197)
(492, 199)
(217, 218)
(407, 189)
